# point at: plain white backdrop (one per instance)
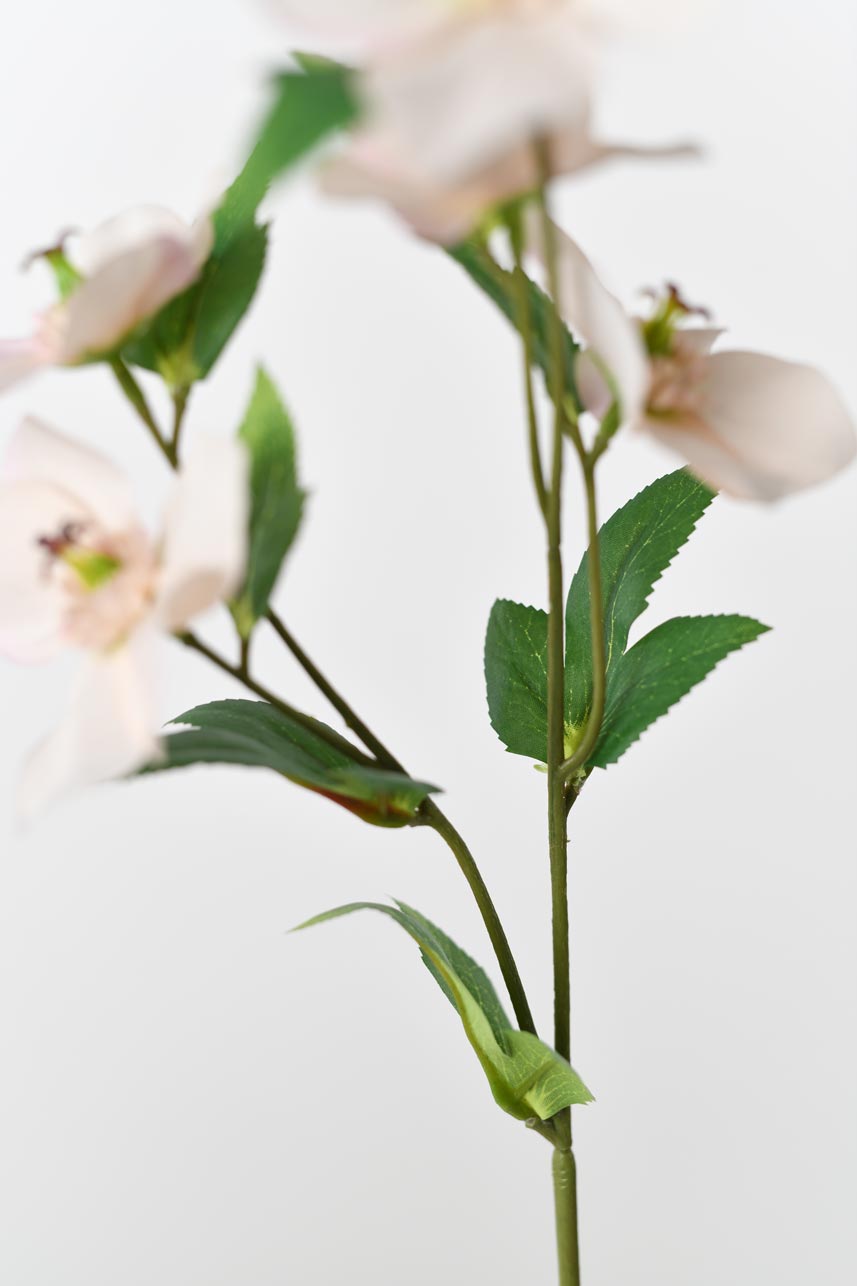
(190, 1097)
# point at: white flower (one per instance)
(753, 426)
(375, 165)
(455, 95)
(131, 266)
(79, 570)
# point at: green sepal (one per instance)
(255, 734)
(527, 1078)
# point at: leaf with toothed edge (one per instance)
(527, 1078)
(661, 669)
(637, 545)
(255, 734)
(516, 661)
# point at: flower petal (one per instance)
(39, 454)
(20, 358)
(107, 730)
(612, 337)
(769, 428)
(205, 534)
(133, 265)
(462, 99)
(360, 24)
(31, 606)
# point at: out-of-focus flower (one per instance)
(125, 271)
(79, 570)
(751, 425)
(456, 93)
(373, 165)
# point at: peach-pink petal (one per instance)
(31, 604)
(204, 551)
(20, 358)
(768, 428)
(597, 317)
(480, 86)
(40, 454)
(107, 730)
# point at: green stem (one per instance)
(340, 705)
(431, 815)
(306, 721)
(596, 616)
(556, 659)
(565, 1185)
(565, 1197)
(439, 822)
(181, 397)
(525, 326)
(137, 398)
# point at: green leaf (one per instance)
(499, 285)
(185, 339)
(662, 668)
(258, 735)
(637, 545)
(308, 106)
(527, 1078)
(276, 499)
(227, 289)
(516, 661)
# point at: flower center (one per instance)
(93, 567)
(677, 362)
(107, 582)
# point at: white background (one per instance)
(190, 1097)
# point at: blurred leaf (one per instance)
(662, 668)
(637, 545)
(308, 106)
(258, 735)
(527, 1078)
(185, 339)
(227, 289)
(276, 499)
(499, 285)
(516, 660)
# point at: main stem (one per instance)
(564, 1170)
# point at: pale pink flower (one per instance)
(751, 425)
(455, 95)
(79, 570)
(131, 266)
(374, 165)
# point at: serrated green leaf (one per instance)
(516, 660)
(308, 106)
(527, 1078)
(258, 735)
(276, 500)
(499, 285)
(637, 545)
(661, 669)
